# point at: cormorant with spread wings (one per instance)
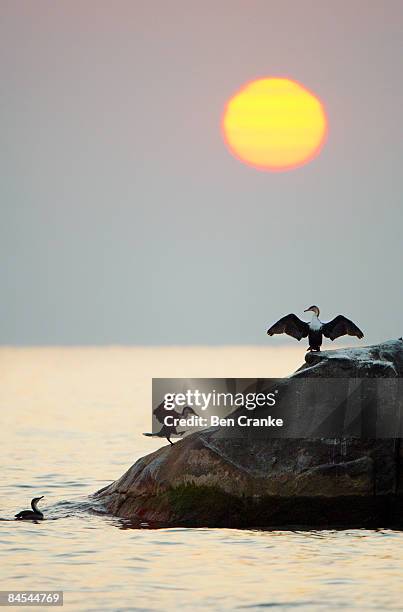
(167, 431)
(315, 329)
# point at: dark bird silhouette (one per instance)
(167, 431)
(315, 329)
(33, 514)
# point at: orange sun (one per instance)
(274, 124)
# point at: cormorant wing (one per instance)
(341, 326)
(160, 412)
(24, 514)
(291, 325)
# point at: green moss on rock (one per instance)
(209, 504)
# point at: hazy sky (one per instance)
(124, 217)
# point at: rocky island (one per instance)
(210, 479)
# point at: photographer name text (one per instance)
(216, 421)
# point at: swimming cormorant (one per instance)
(33, 514)
(315, 330)
(167, 431)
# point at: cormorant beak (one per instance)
(41, 497)
(307, 309)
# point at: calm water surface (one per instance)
(71, 422)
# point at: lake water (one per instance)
(71, 421)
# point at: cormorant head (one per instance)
(313, 309)
(36, 500)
